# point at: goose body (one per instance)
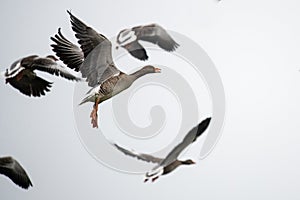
(13, 170)
(170, 162)
(21, 75)
(153, 33)
(159, 171)
(94, 60)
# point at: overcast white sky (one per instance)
(255, 46)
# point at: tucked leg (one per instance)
(155, 178)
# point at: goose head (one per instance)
(188, 162)
(145, 70)
(150, 69)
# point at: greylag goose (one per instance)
(94, 60)
(129, 39)
(170, 162)
(21, 74)
(13, 170)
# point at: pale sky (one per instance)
(255, 47)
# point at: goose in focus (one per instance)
(170, 162)
(13, 170)
(154, 33)
(21, 74)
(94, 60)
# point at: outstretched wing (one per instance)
(67, 52)
(30, 86)
(191, 136)
(13, 170)
(157, 35)
(87, 37)
(139, 156)
(51, 67)
(98, 64)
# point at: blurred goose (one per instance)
(129, 39)
(170, 162)
(13, 170)
(94, 60)
(21, 74)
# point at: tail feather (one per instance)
(91, 95)
(89, 98)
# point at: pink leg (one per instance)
(94, 114)
(154, 179)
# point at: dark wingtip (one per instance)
(142, 57)
(27, 186)
(173, 47)
(176, 45)
(205, 122)
(71, 15)
(53, 38)
(203, 126)
(139, 54)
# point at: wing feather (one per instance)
(30, 86)
(191, 137)
(87, 37)
(13, 170)
(137, 50)
(69, 53)
(51, 67)
(157, 35)
(139, 156)
(98, 65)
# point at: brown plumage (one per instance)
(21, 74)
(94, 60)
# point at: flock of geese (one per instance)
(92, 59)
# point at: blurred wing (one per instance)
(139, 156)
(51, 67)
(67, 52)
(157, 35)
(137, 50)
(191, 136)
(30, 86)
(98, 64)
(12, 169)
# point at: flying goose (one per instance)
(154, 33)
(21, 74)
(13, 170)
(170, 162)
(94, 60)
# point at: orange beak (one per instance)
(157, 70)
